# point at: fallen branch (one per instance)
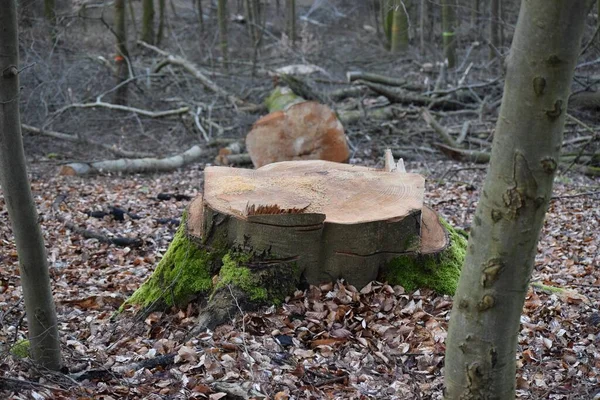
(132, 166)
(399, 95)
(193, 70)
(478, 157)
(436, 126)
(118, 107)
(79, 139)
(385, 80)
(594, 136)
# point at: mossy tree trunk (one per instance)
(222, 20)
(400, 37)
(448, 32)
(484, 325)
(148, 21)
(122, 53)
(33, 263)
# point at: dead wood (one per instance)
(132, 166)
(354, 76)
(399, 95)
(449, 140)
(118, 107)
(80, 139)
(463, 154)
(194, 71)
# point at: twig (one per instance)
(571, 196)
(594, 136)
(118, 107)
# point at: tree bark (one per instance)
(290, 16)
(33, 265)
(448, 33)
(200, 14)
(148, 21)
(50, 13)
(494, 28)
(122, 53)
(482, 339)
(161, 21)
(222, 18)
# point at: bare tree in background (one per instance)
(222, 19)
(484, 325)
(33, 265)
(494, 28)
(448, 32)
(290, 19)
(148, 21)
(399, 36)
(122, 53)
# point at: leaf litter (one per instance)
(328, 342)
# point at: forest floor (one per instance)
(328, 342)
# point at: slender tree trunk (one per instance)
(222, 18)
(251, 20)
(423, 17)
(161, 21)
(122, 53)
(132, 18)
(200, 15)
(33, 264)
(50, 13)
(494, 28)
(148, 21)
(448, 32)
(475, 15)
(290, 17)
(484, 325)
(399, 39)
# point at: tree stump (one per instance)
(254, 236)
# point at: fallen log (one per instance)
(255, 236)
(132, 166)
(354, 76)
(399, 95)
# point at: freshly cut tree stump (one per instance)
(255, 236)
(335, 220)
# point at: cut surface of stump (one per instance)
(304, 131)
(334, 220)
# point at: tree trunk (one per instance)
(423, 22)
(161, 21)
(148, 21)
(122, 53)
(222, 18)
(50, 13)
(475, 15)
(290, 17)
(399, 40)
(494, 28)
(448, 33)
(482, 339)
(200, 14)
(33, 265)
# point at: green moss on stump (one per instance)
(183, 273)
(264, 282)
(439, 272)
(281, 98)
(186, 270)
(21, 348)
